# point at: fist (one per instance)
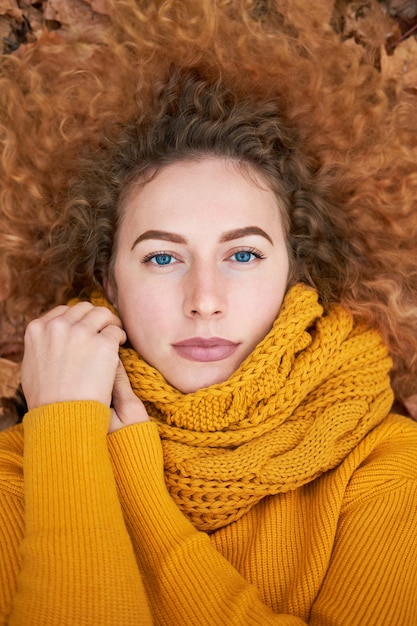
(71, 353)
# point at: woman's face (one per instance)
(200, 270)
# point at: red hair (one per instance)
(357, 132)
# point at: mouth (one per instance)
(205, 350)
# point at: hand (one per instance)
(127, 408)
(71, 353)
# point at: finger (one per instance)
(128, 407)
(93, 318)
(115, 333)
(38, 324)
(97, 320)
(94, 321)
(72, 313)
(122, 390)
(97, 316)
(115, 423)
(55, 312)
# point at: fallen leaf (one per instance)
(369, 55)
(9, 378)
(71, 13)
(402, 64)
(100, 6)
(8, 415)
(10, 8)
(5, 29)
(368, 23)
(11, 338)
(7, 5)
(406, 9)
(9, 383)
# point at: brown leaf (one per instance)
(11, 338)
(368, 22)
(7, 5)
(402, 64)
(406, 9)
(10, 8)
(9, 378)
(5, 29)
(71, 13)
(8, 415)
(100, 6)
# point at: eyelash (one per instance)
(256, 253)
(152, 255)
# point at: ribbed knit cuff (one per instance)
(136, 454)
(65, 443)
(78, 564)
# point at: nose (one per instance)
(205, 293)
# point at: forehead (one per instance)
(209, 186)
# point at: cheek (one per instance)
(146, 312)
(266, 311)
(265, 307)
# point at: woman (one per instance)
(237, 463)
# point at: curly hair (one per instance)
(194, 116)
(336, 142)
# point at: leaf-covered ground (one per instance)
(385, 30)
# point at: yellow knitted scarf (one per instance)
(304, 398)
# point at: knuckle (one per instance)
(58, 324)
(114, 334)
(61, 308)
(82, 306)
(109, 341)
(33, 327)
(99, 316)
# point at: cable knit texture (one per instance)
(296, 407)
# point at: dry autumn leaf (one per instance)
(74, 14)
(9, 382)
(369, 23)
(402, 64)
(99, 6)
(11, 9)
(8, 415)
(9, 378)
(406, 9)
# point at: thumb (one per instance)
(127, 408)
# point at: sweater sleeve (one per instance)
(78, 565)
(187, 580)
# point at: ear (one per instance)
(110, 290)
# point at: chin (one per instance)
(199, 381)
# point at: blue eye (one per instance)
(162, 259)
(244, 256)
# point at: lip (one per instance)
(205, 350)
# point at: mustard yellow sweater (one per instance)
(92, 537)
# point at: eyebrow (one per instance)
(159, 234)
(230, 235)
